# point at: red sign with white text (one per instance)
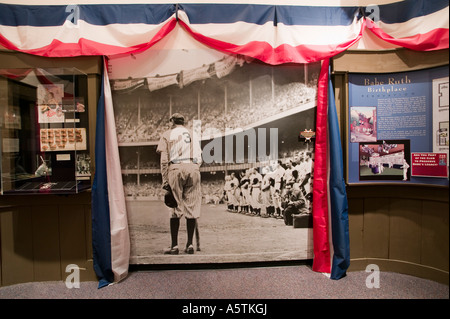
(429, 164)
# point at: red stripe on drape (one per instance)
(282, 54)
(437, 39)
(85, 47)
(322, 260)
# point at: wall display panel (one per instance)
(44, 136)
(398, 127)
(249, 116)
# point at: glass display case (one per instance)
(44, 140)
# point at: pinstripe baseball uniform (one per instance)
(180, 162)
(267, 199)
(255, 181)
(181, 158)
(276, 189)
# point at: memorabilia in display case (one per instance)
(43, 131)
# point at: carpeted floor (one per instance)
(265, 292)
(287, 282)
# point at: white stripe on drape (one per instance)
(120, 239)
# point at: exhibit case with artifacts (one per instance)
(44, 135)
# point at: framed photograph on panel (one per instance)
(384, 161)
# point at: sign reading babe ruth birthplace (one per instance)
(392, 118)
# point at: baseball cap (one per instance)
(177, 117)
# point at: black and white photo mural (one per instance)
(256, 170)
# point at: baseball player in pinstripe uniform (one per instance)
(255, 181)
(180, 168)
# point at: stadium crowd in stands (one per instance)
(144, 121)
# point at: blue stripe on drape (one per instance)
(338, 194)
(101, 231)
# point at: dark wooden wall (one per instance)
(41, 235)
(401, 229)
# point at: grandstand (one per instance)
(254, 97)
(250, 94)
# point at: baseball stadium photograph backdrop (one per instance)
(249, 115)
(286, 32)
